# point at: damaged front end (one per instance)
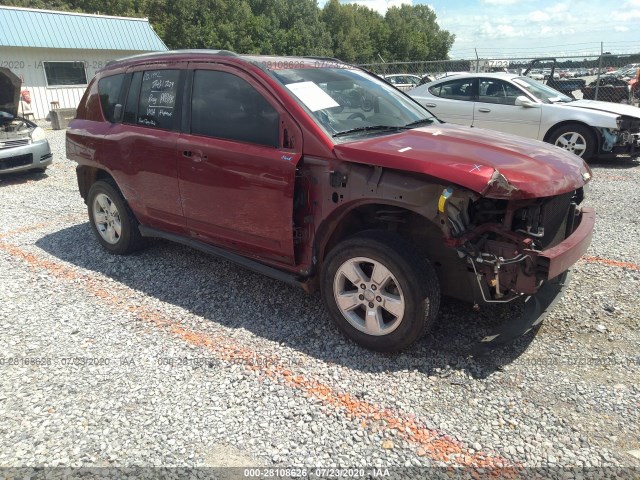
(516, 248)
(625, 140)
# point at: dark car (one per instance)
(374, 202)
(610, 89)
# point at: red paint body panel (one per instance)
(469, 157)
(569, 251)
(240, 193)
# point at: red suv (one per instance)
(322, 175)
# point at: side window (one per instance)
(497, 91)
(158, 94)
(435, 90)
(226, 106)
(131, 105)
(109, 91)
(460, 89)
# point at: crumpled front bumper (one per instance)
(552, 262)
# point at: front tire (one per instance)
(379, 291)
(113, 223)
(575, 138)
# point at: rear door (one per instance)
(495, 109)
(141, 150)
(237, 164)
(452, 101)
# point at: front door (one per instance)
(237, 165)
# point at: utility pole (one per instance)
(599, 69)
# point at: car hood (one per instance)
(615, 108)
(490, 163)
(9, 92)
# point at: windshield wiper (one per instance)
(384, 127)
(419, 122)
(365, 129)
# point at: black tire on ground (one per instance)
(129, 239)
(584, 136)
(416, 280)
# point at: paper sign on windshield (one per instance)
(312, 96)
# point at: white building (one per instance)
(57, 53)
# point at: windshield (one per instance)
(349, 102)
(542, 92)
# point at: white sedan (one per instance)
(522, 106)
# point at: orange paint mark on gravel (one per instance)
(611, 263)
(431, 442)
(38, 226)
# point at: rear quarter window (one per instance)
(109, 89)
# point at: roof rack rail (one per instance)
(313, 57)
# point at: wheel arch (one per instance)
(88, 175)
(376, 214)
(564, 123)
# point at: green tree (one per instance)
(415, 35)
(358, 34)
(289, 27)
(350, 32)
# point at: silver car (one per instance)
(23, 145)
(521, 106)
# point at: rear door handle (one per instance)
(484, 110)
(195, 155)
(430, 105)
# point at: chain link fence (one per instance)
(609, 78)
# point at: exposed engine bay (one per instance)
(16, 129)
(502, 241)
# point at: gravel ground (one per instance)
(173, 358)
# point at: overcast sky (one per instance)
(499, 28)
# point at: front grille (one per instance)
(18, 161)
(555, 211)
(550, 215)
(14, 143)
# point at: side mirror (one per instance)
(117, 113)
(523, 101)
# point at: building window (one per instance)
(65, 73)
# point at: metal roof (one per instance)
(25, 27)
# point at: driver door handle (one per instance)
(484, 110)
(430, 105)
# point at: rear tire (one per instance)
(575, 138)
(401, 295)
(113, 223)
